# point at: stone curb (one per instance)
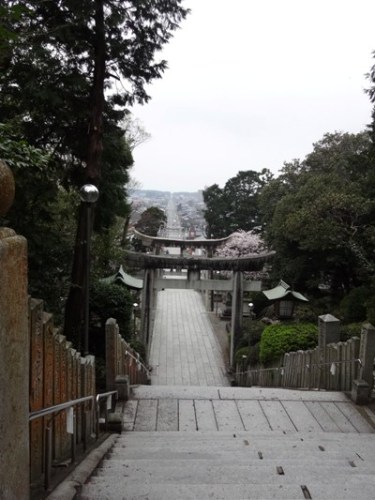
(71, 485)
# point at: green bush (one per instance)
(350, 330)
(370, 310)
(304, 313)
(110, 300)
(251, 353)
(260, 302)
(243, 351)
(281, 338)
(139, 347)
(252, 329)
(353, 305)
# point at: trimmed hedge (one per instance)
(281, 338)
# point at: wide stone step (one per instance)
(245, 393)
(250, 458)
(305, 456)
(236, 443)
(117, 490)
(191, 492)
(213, 436)
(252, 411)
(219, 471)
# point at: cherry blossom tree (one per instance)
(243, 244)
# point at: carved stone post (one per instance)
(14, 354)
(362, 387)
(329, 333)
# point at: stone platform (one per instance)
(235, 443)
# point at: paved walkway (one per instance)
(184, 349)
(258, 410)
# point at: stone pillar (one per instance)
(329, 333)
(147, 306)
(362, 387)
(123, 387)
(14, 354)
(236, 322)
(329, 330)
(367, 354)
(193, 275)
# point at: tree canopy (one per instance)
(318, 215)
(150, 221)
(235, 206)
(70, 70)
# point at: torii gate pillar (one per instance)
(236, 322)
(147, 306)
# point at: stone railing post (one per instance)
(329, 330)
(329, 333)
(14, 354)
(362, 387)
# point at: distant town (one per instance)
(189, 206)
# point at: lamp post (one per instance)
(243, 368)
(251, 307)
(135, 307)
(89, 195)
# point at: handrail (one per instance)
(138, 361)
(56, 408)
(48, 429)
(104, 394)
(97, 407)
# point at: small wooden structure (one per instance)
(284, 299)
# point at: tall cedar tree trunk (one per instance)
(74, 309)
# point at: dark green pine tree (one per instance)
(236, 206)
(71, 70)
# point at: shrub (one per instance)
(370, 310)
(304, 313)
(110, 300)
(281, 338)
(251, 353)
(353, 305)
(252, 329)
(243, 351)
(260, 302)
(139, 347)
(350, 330)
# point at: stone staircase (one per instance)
(185, 443)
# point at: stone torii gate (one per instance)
(153, 280)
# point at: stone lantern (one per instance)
(284, 299)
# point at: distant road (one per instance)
(174, 228)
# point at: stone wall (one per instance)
(122, 360)
(14, 354)
(58, 374)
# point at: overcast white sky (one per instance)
(252, 84)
